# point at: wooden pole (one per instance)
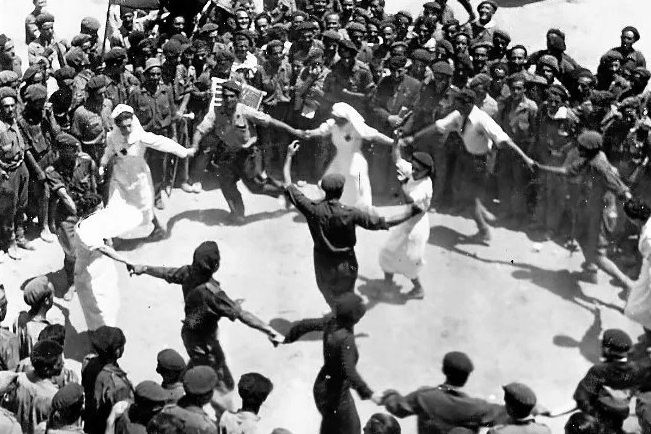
(106, 25)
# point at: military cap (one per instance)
(333, 182)
(208, 28)
(530, 80)
(106, 340)
(550, 61)
(558, 89)
(7, 78)
(199, 380)
(152, 63)
(520, 394)
(502, 33)
(66, 72)
(355, 27)
(69, 395)
(80, 40)
(90, 24)
(115, 55)
(35, 92)
(274, 43)
(405, 14)
(481, 44)
(38, 288)
(433, 6)
(348, 44)
(172, 48)
(636, 33)
(151, 391)
(7, 92)
(66, 140)
(446, 45)
(396, 62)
(490, 3)
(233, 86)
(332, 35)
(306, 25)
(480, 79)
(422, 55)
(442, 67)
(458, 361)
(76, 56)
(614, 339)
(585, 73)
(170, 360)
(518, 76)
(97, 82)
(44, 18)
(396, 44)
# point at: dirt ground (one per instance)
(514, 307)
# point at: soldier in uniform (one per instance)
(171, 366)
(119, 81)
(45, 47)
(150, 398)
(519, 401)
(440, 409)
(9, 343)
(67, 407)
(198, 383)
(349, 80)
(14, 179)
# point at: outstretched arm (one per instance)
(287, 167)
(511, 144)
(303, 327)
(111, 253)
(411, 211)
(283, 126)
(559, 170)
(254, 322)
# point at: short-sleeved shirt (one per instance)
(599, 176)
(205, 305)
(77, 181)
(12, 146)
(332, 225)
(236, 129)
(242, 422)
(89, 127)
(479, 131)
(195, 420)
(154, 111)
(118, 91)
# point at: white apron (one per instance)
(638, 305)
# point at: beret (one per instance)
(170, 360)
(37, 290)
(399, 44)
(480, 44)
(147, 43)
(531, 79)
(480, 79)
(442, 67)
(518, 76)
(355, 27)
(306, 25)
(396, 62)
(97, 82)
(8, 78)
(254, 386)
(7, 92)
(520, 394)
(152, 62)
(90, 24)
(209, 28)
(405, 14)
(233, 86)
(68, 396)
(348, 44)
(199, 380)
(151, 391)
(30, 72)
(65, 139)
(636, 33)
(106, 340)
(556, 32)
(423, 158)
(75, 56)
(466, 95)
(457, 361)
(503, 33)
(66, 72)
(313, 55)
(550, 61)
(612, 55)
(80, 40)
(498, 64)
(614, 339)
(558, 89)
(332, 182)
(332, 35)
(44, 18)
(274, 43)
(172, 48)
(433, 6)
(446, 45)
(490, 3)
(422, 55)
(35, 92)
(585, 73)
(115, 54)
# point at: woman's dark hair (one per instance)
(87, 203)
(635, 209)
(53, 332)
(123, 116)
(582, 423)
(45, 357)
(384, 424)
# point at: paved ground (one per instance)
(514, 307)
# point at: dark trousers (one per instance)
(474, 171)
(67, 235)
(13, 201)
(336, 405)
(245, 164)
(512, 182)
(335, 274)
(206, 351)
(156, 162)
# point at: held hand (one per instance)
(393, 120)
(377, 398)
(191, 153)
(415, 210)
(276, 338)
(136, 269)
(293, 148)
(101, 171)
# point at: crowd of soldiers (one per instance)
(500, 124)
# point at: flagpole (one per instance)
(106, 24)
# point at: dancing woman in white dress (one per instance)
(130, 175)
(348, 130)
(404, 251)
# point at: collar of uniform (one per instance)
(170, 386)
(488, 25)
(524, 421)
(195, 409)
(449, 388)
(160, 89)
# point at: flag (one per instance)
(137, 4)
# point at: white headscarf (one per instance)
(343, 110)
(136, 129)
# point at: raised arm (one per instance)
(256, 323)
(287, 167)
(303, 327)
